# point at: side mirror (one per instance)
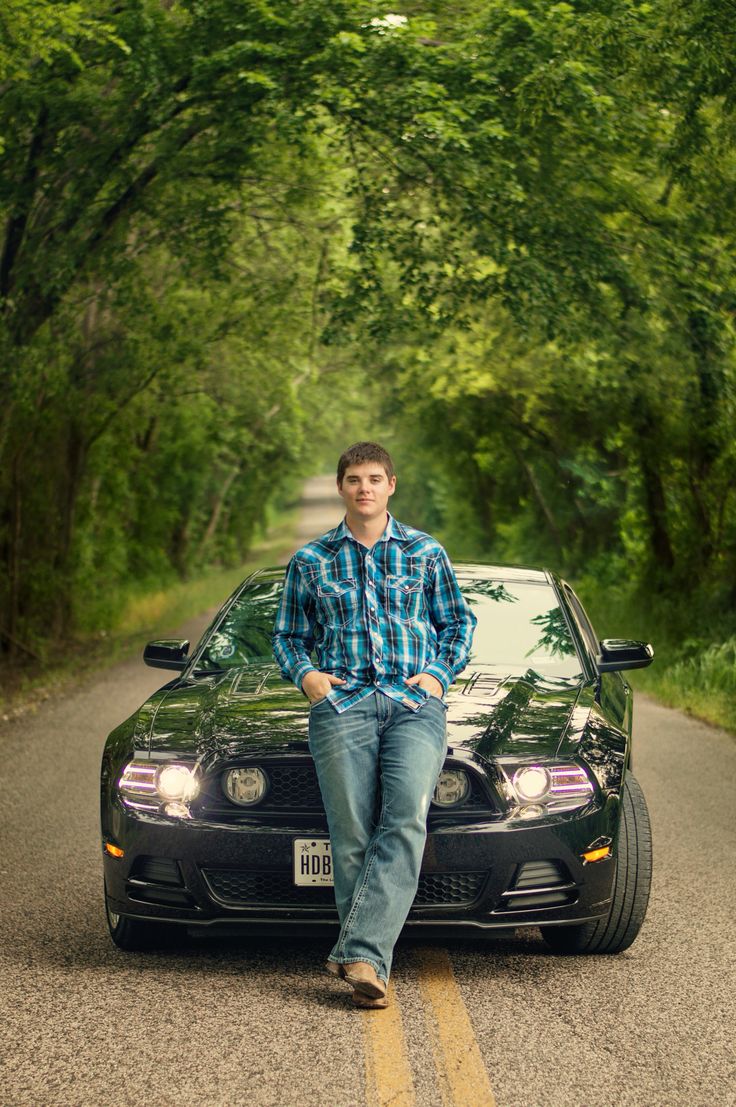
(623, 653)
(168, 653)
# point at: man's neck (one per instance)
(367, 531)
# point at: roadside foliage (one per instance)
(498, 237)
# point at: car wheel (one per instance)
(134, 934)
(618, 929)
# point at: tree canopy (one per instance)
(498, 234)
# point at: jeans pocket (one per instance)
(429, 695)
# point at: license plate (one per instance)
(312, 862)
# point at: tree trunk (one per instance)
(217, 508)
(179, 544)
(486, 487)
(76, 455)
(655, 503)
(14, 540)
(539, 497)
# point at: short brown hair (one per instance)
(364, 451)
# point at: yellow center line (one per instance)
(388, 1072)
(462, 1076)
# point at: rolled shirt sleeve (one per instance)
(453, 619)
(292, 638)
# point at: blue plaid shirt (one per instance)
(375, 616)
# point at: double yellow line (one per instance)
(461, 1074)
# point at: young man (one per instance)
(380, 604)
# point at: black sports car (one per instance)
(212, 818)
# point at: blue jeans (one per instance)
(377, 764)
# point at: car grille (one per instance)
(249, 888)
(293, 785)
(448, 889)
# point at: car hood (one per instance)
(246, 711)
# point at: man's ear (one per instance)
(392, 485)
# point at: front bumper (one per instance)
(479, 874)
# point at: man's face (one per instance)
(365, 490)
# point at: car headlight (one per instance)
(176, 782)
(245, 786)
(159, 786)
(544, 789)
(451, 788)
(531, 782)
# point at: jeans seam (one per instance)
(361, 891)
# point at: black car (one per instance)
(212, 818)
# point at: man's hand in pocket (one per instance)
(316, 684)
(429, 683)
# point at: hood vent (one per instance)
(250, 681)
(483, 684)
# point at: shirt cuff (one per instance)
(298, 674)
(440, 672)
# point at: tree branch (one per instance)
(18, 221)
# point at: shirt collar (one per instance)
(394, 529)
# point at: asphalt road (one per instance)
(258, 1022)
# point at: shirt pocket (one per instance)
(404, 597)
(338, 600)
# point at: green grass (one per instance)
(703, 686)
(694, 640)
(145, 613)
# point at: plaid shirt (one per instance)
(375, 616)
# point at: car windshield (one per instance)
(521, 626)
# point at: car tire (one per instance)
(134, 934)
(618, 929)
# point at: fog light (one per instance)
(531, 782)
(176, 782)
(245, 786)
(452, 787)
